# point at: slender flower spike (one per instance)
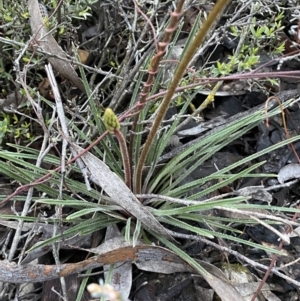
(111, 121)
(113, 126)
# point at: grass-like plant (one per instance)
(160, 185)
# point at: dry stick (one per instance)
(47, 176)
(217, 10)
(259, 215)
(262, 283)
(62, 119)
(60, 112)
(65, 59)
(42, 153)
(23, 82)
(133, 74)
(236, 254)
(275, 256)
(290, 74)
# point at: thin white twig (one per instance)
(62, 118)
(236, 254)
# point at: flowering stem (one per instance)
(113, 126)
(125, 157)
(198, 39)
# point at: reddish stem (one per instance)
(125, 157)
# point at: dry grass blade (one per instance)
(223, 287)
(46, 41)
(119, 192)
